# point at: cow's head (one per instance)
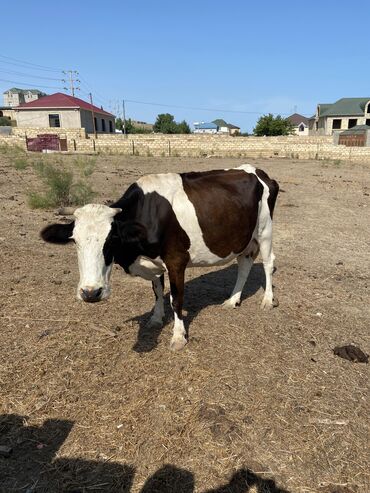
(95, 235)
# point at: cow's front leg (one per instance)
(156, 320)
(176, 274)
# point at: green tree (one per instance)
(165, 124)
(119, 124)
(269, 125)
(183, 128)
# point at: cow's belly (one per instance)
(147, 268)
(204, 257)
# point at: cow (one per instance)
(168, 222)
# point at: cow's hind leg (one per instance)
(156, 320)
(244, 267)
(176, 274)
(265, 241)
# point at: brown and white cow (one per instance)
(168, 222)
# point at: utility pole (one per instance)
(124, 118)
(72, 74)
(92, 113)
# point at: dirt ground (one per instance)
(256, 402)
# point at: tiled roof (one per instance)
(356, 129)
(59, 101)
(221, 123)
(206, 126)
(297, 119)
(16, 90)
(345, 107)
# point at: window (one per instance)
(54, 120)
(110, 126)
(103, 124)
(96, 124)
(368, 122)
(301, 127)
(352, 122)
(337, 124)
(317, 125)
(368, 108)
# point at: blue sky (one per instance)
(246, 57)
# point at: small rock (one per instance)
(5, 451)
(351, 353)
(339, 262)
(66, 271)
(65, 211)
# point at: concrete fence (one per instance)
(309, 147)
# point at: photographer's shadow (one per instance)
(212, 288)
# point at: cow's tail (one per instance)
(274, 190)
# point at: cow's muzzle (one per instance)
(91, 295)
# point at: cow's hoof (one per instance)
(230, 303)
(178, 343)
(268, 304)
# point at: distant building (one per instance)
(64, 111)
(15, 96)
(226, 128)
(343, 114)
(216, 127)
(300, 123)
(205, 128)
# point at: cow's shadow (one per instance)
(212, 288)
(33, 466)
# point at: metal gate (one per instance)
(352, 140)
(49, 142)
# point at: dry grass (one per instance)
(257, 402)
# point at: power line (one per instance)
(22, 74)
(71, 80)
(218, 110)
(30, 64)
(29, 85)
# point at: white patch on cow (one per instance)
(263, 234)
(178, 340)
(147, 268)
(92, 226)
(170, 187)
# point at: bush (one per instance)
(85, 165)
(20, 163)
(60, 188)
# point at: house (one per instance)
(64, 111)
(341, 115)
(300, 124)
(226, 128)
(205, 128)
(15, 96)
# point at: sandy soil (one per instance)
(257, 401)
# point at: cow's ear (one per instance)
(58, 233)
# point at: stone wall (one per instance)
(311, 147)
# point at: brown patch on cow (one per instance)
(226, 204)
(273, 187)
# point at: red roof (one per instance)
(60, 100)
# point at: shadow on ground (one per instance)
(212, 288)
(32, 466)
